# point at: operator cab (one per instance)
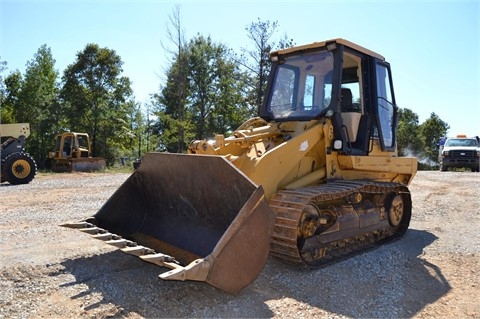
(339, 80)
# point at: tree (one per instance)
(98, 100)
(32, 98)
(140, 126)
(38, 101)
(3, 93)
(257, 60)
(431, 130)
(232, 107)
(173, 126)
(216, 100)
(408, 136)
(12, 86)
(213, 95)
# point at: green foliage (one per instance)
(216, 94)
(32, 99)
(174, 127)
(3, 93)
(260, 33)
(11, 88)
(38, 102)
(256, 60)
(204, 95)
(143, 140)
(97, 100)
(420, 140)
(208, 90)
(431, 130)
(408, 137)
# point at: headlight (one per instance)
(445, 153)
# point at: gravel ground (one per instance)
(48, 271)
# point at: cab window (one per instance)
(385, 107)
(302, 86)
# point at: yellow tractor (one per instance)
(73, 153)
(17, 166)
(315, 178)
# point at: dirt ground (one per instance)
(47, 271)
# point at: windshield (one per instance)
(302, 86)
(461, 142)
(82, 141)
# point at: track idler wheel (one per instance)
(396, 210)
(309, 222)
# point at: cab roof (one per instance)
(315, 45)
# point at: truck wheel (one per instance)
(443, 168)
(20, 168)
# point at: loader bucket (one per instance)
(195, 214)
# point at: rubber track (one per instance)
(289, 204)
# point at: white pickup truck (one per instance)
(460, 152)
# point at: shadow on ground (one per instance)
(389, 282)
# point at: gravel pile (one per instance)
(50, 271)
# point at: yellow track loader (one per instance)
(73, 154)
(314, 179)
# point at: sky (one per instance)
(433, 46)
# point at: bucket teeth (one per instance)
(78, 225)
(158, 258)
(93, 230)
(119, 243)
(138, 250)
(125, 245)
(105, 236)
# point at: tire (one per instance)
(20, 168)
(443, 168)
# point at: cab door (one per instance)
(66, 145)
(386, 109)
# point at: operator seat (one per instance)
(347, 100)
